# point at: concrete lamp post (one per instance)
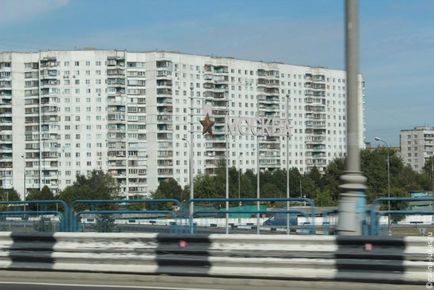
(352, 199)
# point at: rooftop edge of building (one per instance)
(173, 52)
(419, 128)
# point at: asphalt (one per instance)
(36, 280)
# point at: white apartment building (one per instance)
(64, 113)
(417, 146)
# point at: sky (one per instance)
(396, 40)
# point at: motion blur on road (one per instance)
(16, 280)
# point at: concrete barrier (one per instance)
(283, 257)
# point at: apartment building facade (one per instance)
(131, 114)
(417, 146)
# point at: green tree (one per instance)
(43, 194)
(374, 167)
(136, 205)
(324, 198)
(233, 182)
(9, 194)
(248, 184)
(278, 178)
(205, 187)
(428, 167)
(271, 190)
(294, 182)
(308, 187)
(168, 189)
(331, 178)
(96, 185)
(316, 177)
(408, 180)
(220, 179)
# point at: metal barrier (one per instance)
(170, 216)
(376, 213)
(310, 226)
(44, 216)
(370, 259)
(326, 224)
(104, 221)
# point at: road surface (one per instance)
(25, 280)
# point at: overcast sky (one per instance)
(397, 40)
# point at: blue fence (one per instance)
(36, 215)
(376, 211)
(224, 212)
(104, 211)
(208, 215)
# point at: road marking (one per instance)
(104, 286)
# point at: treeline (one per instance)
(96, 185)
(323, 188)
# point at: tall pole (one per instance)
(258, 187)
(288, 193)
(388, 189)
(352, 199)
(388, 182)
(239, 185)
(24, 183)
(191, 206)
(239, 177)
(227, 173)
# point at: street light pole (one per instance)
(288, 193)
(24, 180)
(352, 199)
(190, 178)
(388, 180)
(191, 208)
(227, 187)
(239, 177)
(258, 187)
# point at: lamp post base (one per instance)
(352, 204)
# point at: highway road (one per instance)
(25, 280)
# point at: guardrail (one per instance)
(393, 260)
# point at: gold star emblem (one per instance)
(207, 125)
